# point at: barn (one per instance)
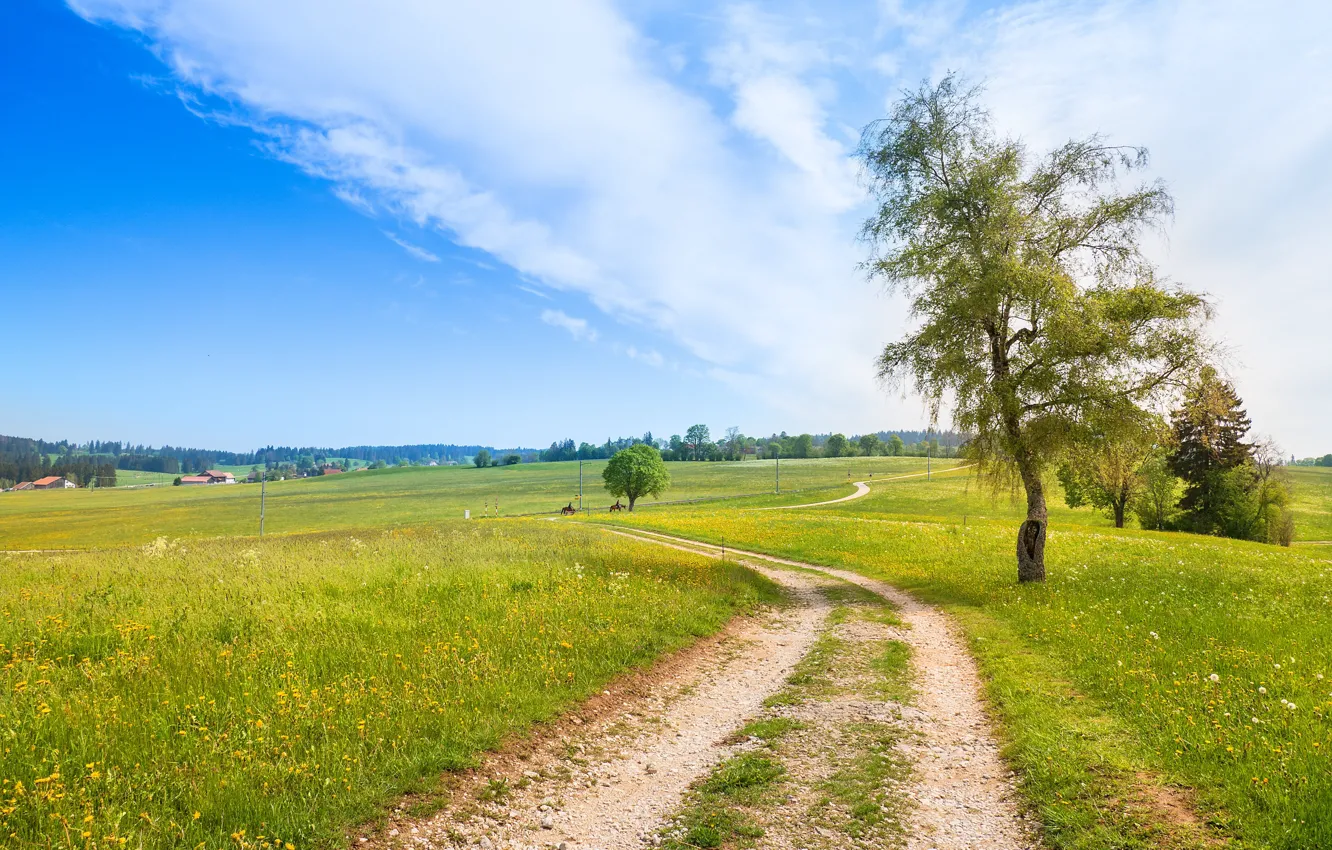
(53, 482)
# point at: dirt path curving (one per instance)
(862, 489)
(962, 791)
(610, 783)
(611, 775)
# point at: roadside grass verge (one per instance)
(1102, 679)
(247, 694)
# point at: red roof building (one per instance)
(53, 482)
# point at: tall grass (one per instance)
(259, 695)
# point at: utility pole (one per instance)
(927, 455)
(580, 486)
(263, 485)
(778, 455)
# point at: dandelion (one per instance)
(1262, 690)
(1214, 677)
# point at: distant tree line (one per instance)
(1325, 460)
(22, 459)
(697, 444)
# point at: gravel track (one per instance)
(963, 793)
(611, 783)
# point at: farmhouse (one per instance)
(209, 476)
(331, 470)
(53, 482)
(22, 485)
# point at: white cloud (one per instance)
(577, 328)
(652, 357)
(722, 215)
(1235, 104)
(415, 250)
(546, 136)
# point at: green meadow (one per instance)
(1150, 666)
(182, 683)
(271, 694)
(77, 519)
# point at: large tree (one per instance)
(1036, 309)
(636, 471)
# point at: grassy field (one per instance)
(377, 498)
(1102, 678)
(1312, 502)
(138, 477)
(248, 694)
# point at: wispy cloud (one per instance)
(652, 357)
(719, 208)
(415, 250)
(579, 329)
(643, 194)
(530, 291)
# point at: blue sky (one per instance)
(317, 223)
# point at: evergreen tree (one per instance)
(1209, 430)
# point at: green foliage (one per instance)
(1209, 430)
(870, 445)
(482, 459)
(1036, 307)
(697, 439)
(511, 459)
(635, 472)
(802, 446)
(1104, 468)
(836, 446)
(291, 687)
(895, 446)
(1156, 501)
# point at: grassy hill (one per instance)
(376, 498)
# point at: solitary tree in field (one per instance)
(482, 459)
(835, 446)
(636, 471)
(1036, 309)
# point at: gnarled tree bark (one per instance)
(1031, 536)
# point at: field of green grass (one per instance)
(284, 687)
(269, 694)
(76, 519)
(138, 477)
(1312, 502)
(1102, 678)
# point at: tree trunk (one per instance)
(632, 499)
(1119, 514)
(1031, 536)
